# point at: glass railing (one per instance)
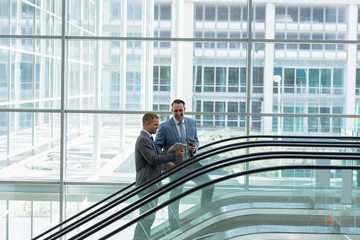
(300, 206)
(88, 211)
(120, 202)
(228, 141)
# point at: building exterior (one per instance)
(77, 75)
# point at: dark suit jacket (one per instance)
(148, 159)
(168, 134)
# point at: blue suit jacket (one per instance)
(168, 135)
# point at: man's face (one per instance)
(153, 126)
(178, 111)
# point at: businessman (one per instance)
(147, 162)
(182, 129)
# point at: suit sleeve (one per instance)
(194, 134)
(150, 155)
(160, 139)
(197, 143)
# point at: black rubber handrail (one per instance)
(198, 157)
(199, 187)
(347, 138)
(206, 169)
(84, 211)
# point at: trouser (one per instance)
(206, 195)
(143, 227)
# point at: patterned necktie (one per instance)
(182, 131)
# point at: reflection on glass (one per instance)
(31, 144)
(133, 73)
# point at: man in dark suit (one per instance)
(147, 163)
(182, 129)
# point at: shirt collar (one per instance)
(177, 122)
(146, 133)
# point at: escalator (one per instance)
(242, 203)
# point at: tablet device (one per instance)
(177, 146)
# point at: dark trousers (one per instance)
(206, 195)
(143, 227)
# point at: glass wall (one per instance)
(77, 76)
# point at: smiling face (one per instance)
(178, 111)
(152, 126)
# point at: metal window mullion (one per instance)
(7, 219)
(33, 89)
(248, 82)
(248, 66)
(62, 111)
(32, 219)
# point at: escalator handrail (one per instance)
(195, 158)
(278, 137)
(190, 161)
(84, 211)
(205, 169)
(240, 145)
(239, 174)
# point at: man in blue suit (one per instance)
(181, 129)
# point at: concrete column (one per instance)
(182, 52)
(123, 67)
(323, 176)
(350, 83)
(269, 67)
(98, 83)
(350, 76)
(188, 56)
(147, 56)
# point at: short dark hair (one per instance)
(148, 118)
(178, 101)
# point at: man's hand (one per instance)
(192, 148)
(179, 152)
(170, 165)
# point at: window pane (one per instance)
(220, 119)
(260, 14)
(235, 13)
(258, 79)
(305, 14)
(198, 12)
(294, 13)
(318, 14)
(325, 121)
(330, 16)
(209, 79)
(223, 14)
(233, 107)
(313, 125)
(208, 107)
(220, 79)
(338, 81)
(325, 81)
(289, 79)
(341, 15)
(300, 80)
(233, 80)
(358, 81)
(314, 76)
(209, 13)
(165, 12)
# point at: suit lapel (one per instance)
(187, 128)
(174, 129)
(154, 146)
(151, 141)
